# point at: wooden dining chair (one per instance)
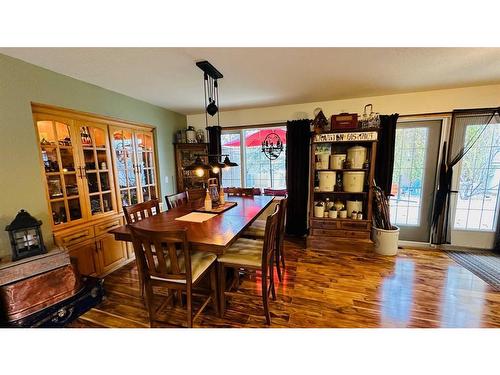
(257, 231)
(140, 211)
(253, 255)
(177, 200)
(166, 260)
(240, 192)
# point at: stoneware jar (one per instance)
(319, 210)
(357, 156)
(337, 161)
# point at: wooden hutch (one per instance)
(324, 231)
(92, 167)
(185, 154)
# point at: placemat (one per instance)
(196, 217)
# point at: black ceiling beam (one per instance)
(209, 69)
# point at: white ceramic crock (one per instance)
(357, 156)
(337, 161)
(326, 180)
(353, 181)
(319, 211)
(354, 206)
(322, 161)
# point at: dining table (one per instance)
(214, 235)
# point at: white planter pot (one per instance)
(386, 241)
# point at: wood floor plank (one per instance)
(348, 287)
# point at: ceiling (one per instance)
(261, 77)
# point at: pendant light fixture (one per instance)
(211, 96)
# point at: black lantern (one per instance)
(25, 236)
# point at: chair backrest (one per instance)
(157, 253)
(240, 192)
(177, 200)
(269, 246)
(275, 192)
(281, 224)
(140, 211)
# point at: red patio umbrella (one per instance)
(255, 139)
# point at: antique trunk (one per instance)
(33, 294)
(30, 290)
(64, 312)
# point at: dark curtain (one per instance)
(384, 162)
(460, 120)
(298, 135)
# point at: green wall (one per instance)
(21, 182)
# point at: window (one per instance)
(231, 146)
(477, 198)
(255, 169)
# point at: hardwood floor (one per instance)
(350, 287)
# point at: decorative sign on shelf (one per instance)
(346, 137)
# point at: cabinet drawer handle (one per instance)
(110, 226)
(77, 238)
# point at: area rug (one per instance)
(482, 263)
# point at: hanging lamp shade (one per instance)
(229, 163)
(198, 163)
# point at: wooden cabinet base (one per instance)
(337, 243)
(98, 254)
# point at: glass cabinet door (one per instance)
(146, 165)
(64, 180)
(126, 166)
(96, 168)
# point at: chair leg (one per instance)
(278, 269)
(189, 303)
(282, 256)
(222, 288)
(237, 278)
(179, 298)
(215, 290)
(148, 299)
(265, 299)
(271, 277)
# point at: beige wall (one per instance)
(21, 181)
(404, 104)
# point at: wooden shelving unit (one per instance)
(324, 231)
(185, 154)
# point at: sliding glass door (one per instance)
(414, 178)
